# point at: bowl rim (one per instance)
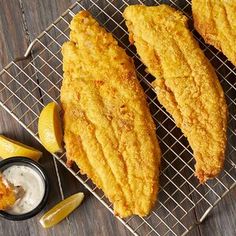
(36, 166)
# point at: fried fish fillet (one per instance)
(216, 22)
(108, 128)
(186, 83)
(7, 195)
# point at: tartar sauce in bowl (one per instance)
(31, 182)
(28, 174)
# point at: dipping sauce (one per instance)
(32, 183)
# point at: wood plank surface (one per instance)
(20, 22)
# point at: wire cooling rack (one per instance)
(27, 85)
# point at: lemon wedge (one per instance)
(12, 148)
(49, 128)
(61, 210)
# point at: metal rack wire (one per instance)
(26, 86)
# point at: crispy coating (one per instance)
(108, 128)
(215, 20)
(186, 83)
(7, 195)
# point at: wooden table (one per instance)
(20, 22)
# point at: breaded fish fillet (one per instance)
(108, 128)
(216, 22)
(186, 83)
(7, 195)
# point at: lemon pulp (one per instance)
(61, 210)
(49, 128)
(12, 148)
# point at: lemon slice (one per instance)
(61, 210)
(49, 128)
(12, 148)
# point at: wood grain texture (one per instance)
(16, 32)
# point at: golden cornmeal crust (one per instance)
(108, 128)
(215, 20)
(186, 83)
(7, 195)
